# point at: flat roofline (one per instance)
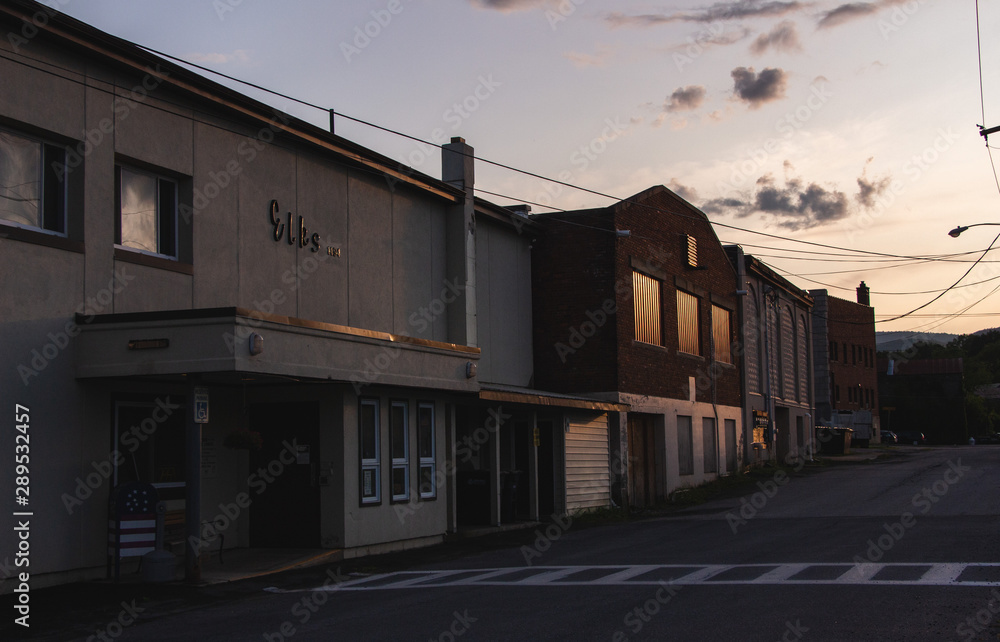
(255, 315)
(512, 394)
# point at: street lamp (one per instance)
(961, 228)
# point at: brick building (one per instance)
(636, 303)
(775, 332)
(845, 367)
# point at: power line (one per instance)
(559, 182)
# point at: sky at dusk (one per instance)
(849, 124)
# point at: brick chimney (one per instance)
(864, 295)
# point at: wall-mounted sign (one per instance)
(294, 236)
(201, 405)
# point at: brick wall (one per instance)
(852, 327)
(579, 274)
(659, 223)
(572, 272)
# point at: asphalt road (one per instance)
(899, 549)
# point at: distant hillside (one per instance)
(896, 341)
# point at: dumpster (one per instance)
(833, 440)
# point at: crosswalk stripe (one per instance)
(781, 573)
(800, 573)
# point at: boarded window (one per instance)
(708, 437)
(731, 460)
(720, 335)
(685, 446)
(646, 297)
(687, 323)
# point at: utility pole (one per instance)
(985, 133)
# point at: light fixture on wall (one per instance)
(256, 344)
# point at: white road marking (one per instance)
(939, 574)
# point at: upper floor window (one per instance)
(646, 299)
(721, 342)
(691, 245)
(147, 212)
(688, 338)
(32, 183)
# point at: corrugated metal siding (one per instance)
(788, 383)
(752, 347)
(803, 362)
(588, 478)
(646, 297)
(687, 323)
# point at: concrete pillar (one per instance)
(458, 169)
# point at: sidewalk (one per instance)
(91, 608)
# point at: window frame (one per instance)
(59, 173)
(425, 461)
(683, 332)
(170, 229)
(372, 465)
(648, 321)
(401, 463)
(722, 348)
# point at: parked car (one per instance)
(889, 437)
(911, 437)
(989, 439)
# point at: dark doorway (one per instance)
(732, 460)
(546, 471)
(641, 461)
(284, 512)
(800, 436)
(782, 424)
